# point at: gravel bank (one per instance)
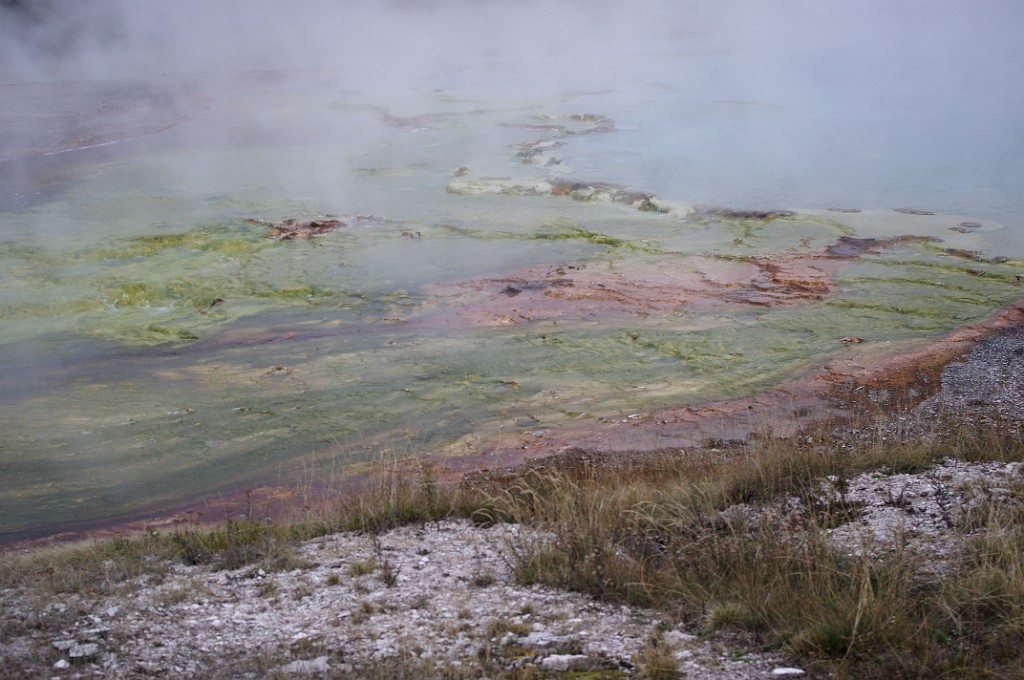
(987, 384)
(439, 594)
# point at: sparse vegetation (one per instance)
(726, 538)
(362, 567)
(657, 661)
(690, 537)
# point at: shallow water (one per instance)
(158, 349)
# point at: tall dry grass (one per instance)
(741, 539)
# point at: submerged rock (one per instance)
(966, 227)
(578, 191)
(590, 191)
(293, 228)
(732, 214)
(849, 247)
(510, 187)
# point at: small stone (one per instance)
(787, 672)
(62, 664)
(541, 640)
(94, 633)
(83, 651)
(64, 645)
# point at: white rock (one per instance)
(537, 639)
(321, 664)
(787, 672)
(565, 662)
(62, 664)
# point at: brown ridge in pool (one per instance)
(574, 292)
(670, 285)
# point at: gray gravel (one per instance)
(987, 383)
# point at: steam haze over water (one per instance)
(802, 103)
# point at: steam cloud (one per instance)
(866, 78)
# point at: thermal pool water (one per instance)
(504, 266)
